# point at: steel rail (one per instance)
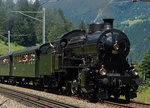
(114, 104)
(140, 104)
(131, 104)
(42, 102)
(34, 100)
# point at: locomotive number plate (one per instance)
(113, 74)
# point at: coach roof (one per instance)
(33, 48)
(5, 55)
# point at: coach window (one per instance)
(14, 59)
(29, 58)
(1, 61)
(25, 58)
(32, 58)
(19, 59)
(5, 61)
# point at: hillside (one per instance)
(120, 9)
(132, 18)
(26, 28)
(13, 47)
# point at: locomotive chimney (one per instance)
(108, 23)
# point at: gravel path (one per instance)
(13, 104)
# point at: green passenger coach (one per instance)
(31, 64)
(35, 61)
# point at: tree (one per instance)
(149, 37)
(24, 25)
(82, 25)
(145, 65)
(36, 6)
(27, 31)
(57, 24)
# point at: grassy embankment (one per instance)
(131, 22)
(13, 47)
(143, 96)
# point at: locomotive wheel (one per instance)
(127, 94)
(68, 89)
(74, 87)
(116, 96)
(74, 90)
(127, 97)
(93, 97)
(82, 94)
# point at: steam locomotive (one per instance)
(85, 63)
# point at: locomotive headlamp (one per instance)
(116, 46)
(103, 70)
(135, 71)
(97, 71)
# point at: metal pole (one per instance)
(8, 41)
(43, 26)
(144, 76)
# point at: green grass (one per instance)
(13, 47)
(131, 22)
(144, 96)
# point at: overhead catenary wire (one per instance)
(100, 11)
(48, 1)
(23, 36)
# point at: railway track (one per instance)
(41, 102)
(132, 104)
(139, 104)
(33, 100)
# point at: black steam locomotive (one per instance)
(96, 61)
(85, 63)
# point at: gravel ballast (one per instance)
(66, 99)
(8, 103)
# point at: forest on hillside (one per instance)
(132, 18)
(27, 31)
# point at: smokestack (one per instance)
(108, 23)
